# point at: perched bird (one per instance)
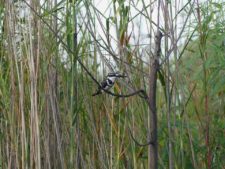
(108, 82)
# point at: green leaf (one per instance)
(219, 86)
(217, 5)
(107, 25)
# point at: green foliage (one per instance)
(71, 128)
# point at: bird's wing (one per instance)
(103, 84)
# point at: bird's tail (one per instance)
(97, 93)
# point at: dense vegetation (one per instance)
(52, 53)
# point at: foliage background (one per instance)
(48, 118)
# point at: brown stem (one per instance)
(153, 149)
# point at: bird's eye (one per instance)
(110, 81)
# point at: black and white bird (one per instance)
(108, 82)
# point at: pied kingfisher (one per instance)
(108, 82)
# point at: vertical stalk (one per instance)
(72, 85)
(203, 38)
(75, 72)
(33, 62)
(11, 136)
(176, 92)
(168, 99)
(153, 147)
(152, 135)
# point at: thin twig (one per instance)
(140, 92)
(139, 144)
(189, 98)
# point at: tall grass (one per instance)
(48, 118)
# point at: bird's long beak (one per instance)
(122, 75)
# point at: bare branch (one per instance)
(140, 144)
(140, 92)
